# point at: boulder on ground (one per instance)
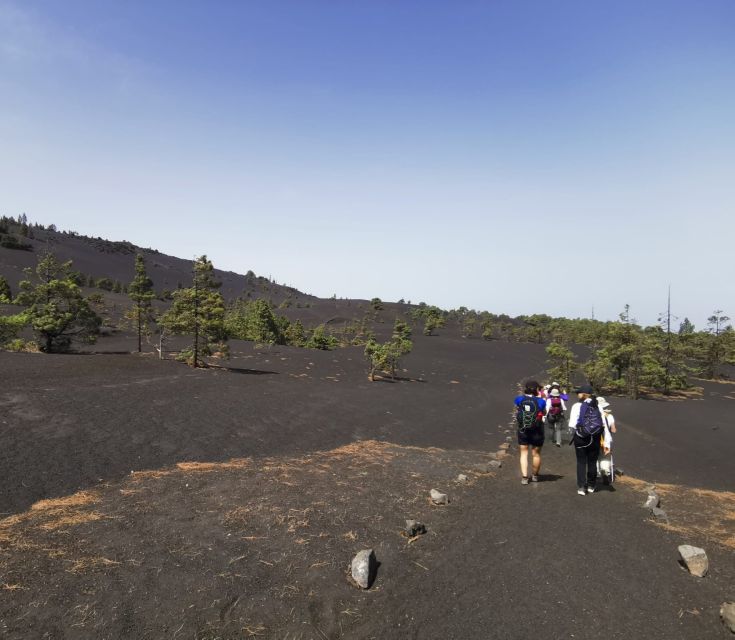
(694, 559)
(437, 497)
(504, 447)
(462, 478)
(415, 528)
(727, 615)
(488, 467)
(652, 501)
(659, 514)
(363, 568)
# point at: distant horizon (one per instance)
(676, 319)
(524, 156)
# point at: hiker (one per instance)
(605, 466)
(555, 411)
(530, 409)
(585, 419)
(562, 393)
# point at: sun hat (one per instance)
(602, 403)
(555, 392)
(585, 388)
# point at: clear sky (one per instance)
(512, 156)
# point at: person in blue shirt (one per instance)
(530, 410)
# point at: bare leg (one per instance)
(524, 459)
(536, 454)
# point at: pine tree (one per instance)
(562, 363)
(6, 295)
(199, 311)
(57, 310)
(141, 293)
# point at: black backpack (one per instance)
(528, 413)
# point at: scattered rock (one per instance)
(488, 467)
(415, 528)
(659, 514)
(509, 438)
(437, 497)
(492, 455)
(651, 488)
(363, 568)
(462, 478)
(727, 615)
(504, 447)
(694, 559)
(652, 501)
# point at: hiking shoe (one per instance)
(524, 480)
(534, 478)
(580, 492)
(590, 489)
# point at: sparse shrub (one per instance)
(106, 284)
(6, 295)
(376, 304)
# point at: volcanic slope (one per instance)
(255, 484)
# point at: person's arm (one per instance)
(563, 406)
(574, 416)
(611, 422)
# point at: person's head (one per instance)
(584, 391)
(531, 388)
(603, 404)
(555, 385)
(555, 393)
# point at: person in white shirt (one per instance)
(604, 463)
(585, 418)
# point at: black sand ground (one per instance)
(259, 547)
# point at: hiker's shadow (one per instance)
(549, 477)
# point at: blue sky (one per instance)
(460, 153)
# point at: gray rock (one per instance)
(694, 559)
(492, 455)
(437, 497)
(504, 447)
(727, 615)
(652, 501)
(659, 514)
(488, 467)
(415, 528)
(651, 488)
(462, 478)
(364, 566)
(509, 438)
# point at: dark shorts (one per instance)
(532, 437)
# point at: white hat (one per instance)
(602, 403)
(555, 393)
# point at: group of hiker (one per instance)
(590, 427)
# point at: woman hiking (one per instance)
(555, 410)
(587, 424)
(530, 411)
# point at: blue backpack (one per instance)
(590, 420)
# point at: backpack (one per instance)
(556, 409)
(590, 420)
(528, 413)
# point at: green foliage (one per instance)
(376, 304)
(11, 242)
(6, 295)
(254, 320)
(320, 338)
(106, 284)
(385, 357)
(562, 363)
(141, 294)
(199, 311)
(295, 334)
(57, 310)
(10, 327)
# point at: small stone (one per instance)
(509, 438)
(651, 488)
(415, 528)
(363, 568)
(505, 446)
(462, 478)
(659, 514)
(727, 615)
(492, 455)
(652, 501)
(694, 559)
(437, 497)
(488, 467)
